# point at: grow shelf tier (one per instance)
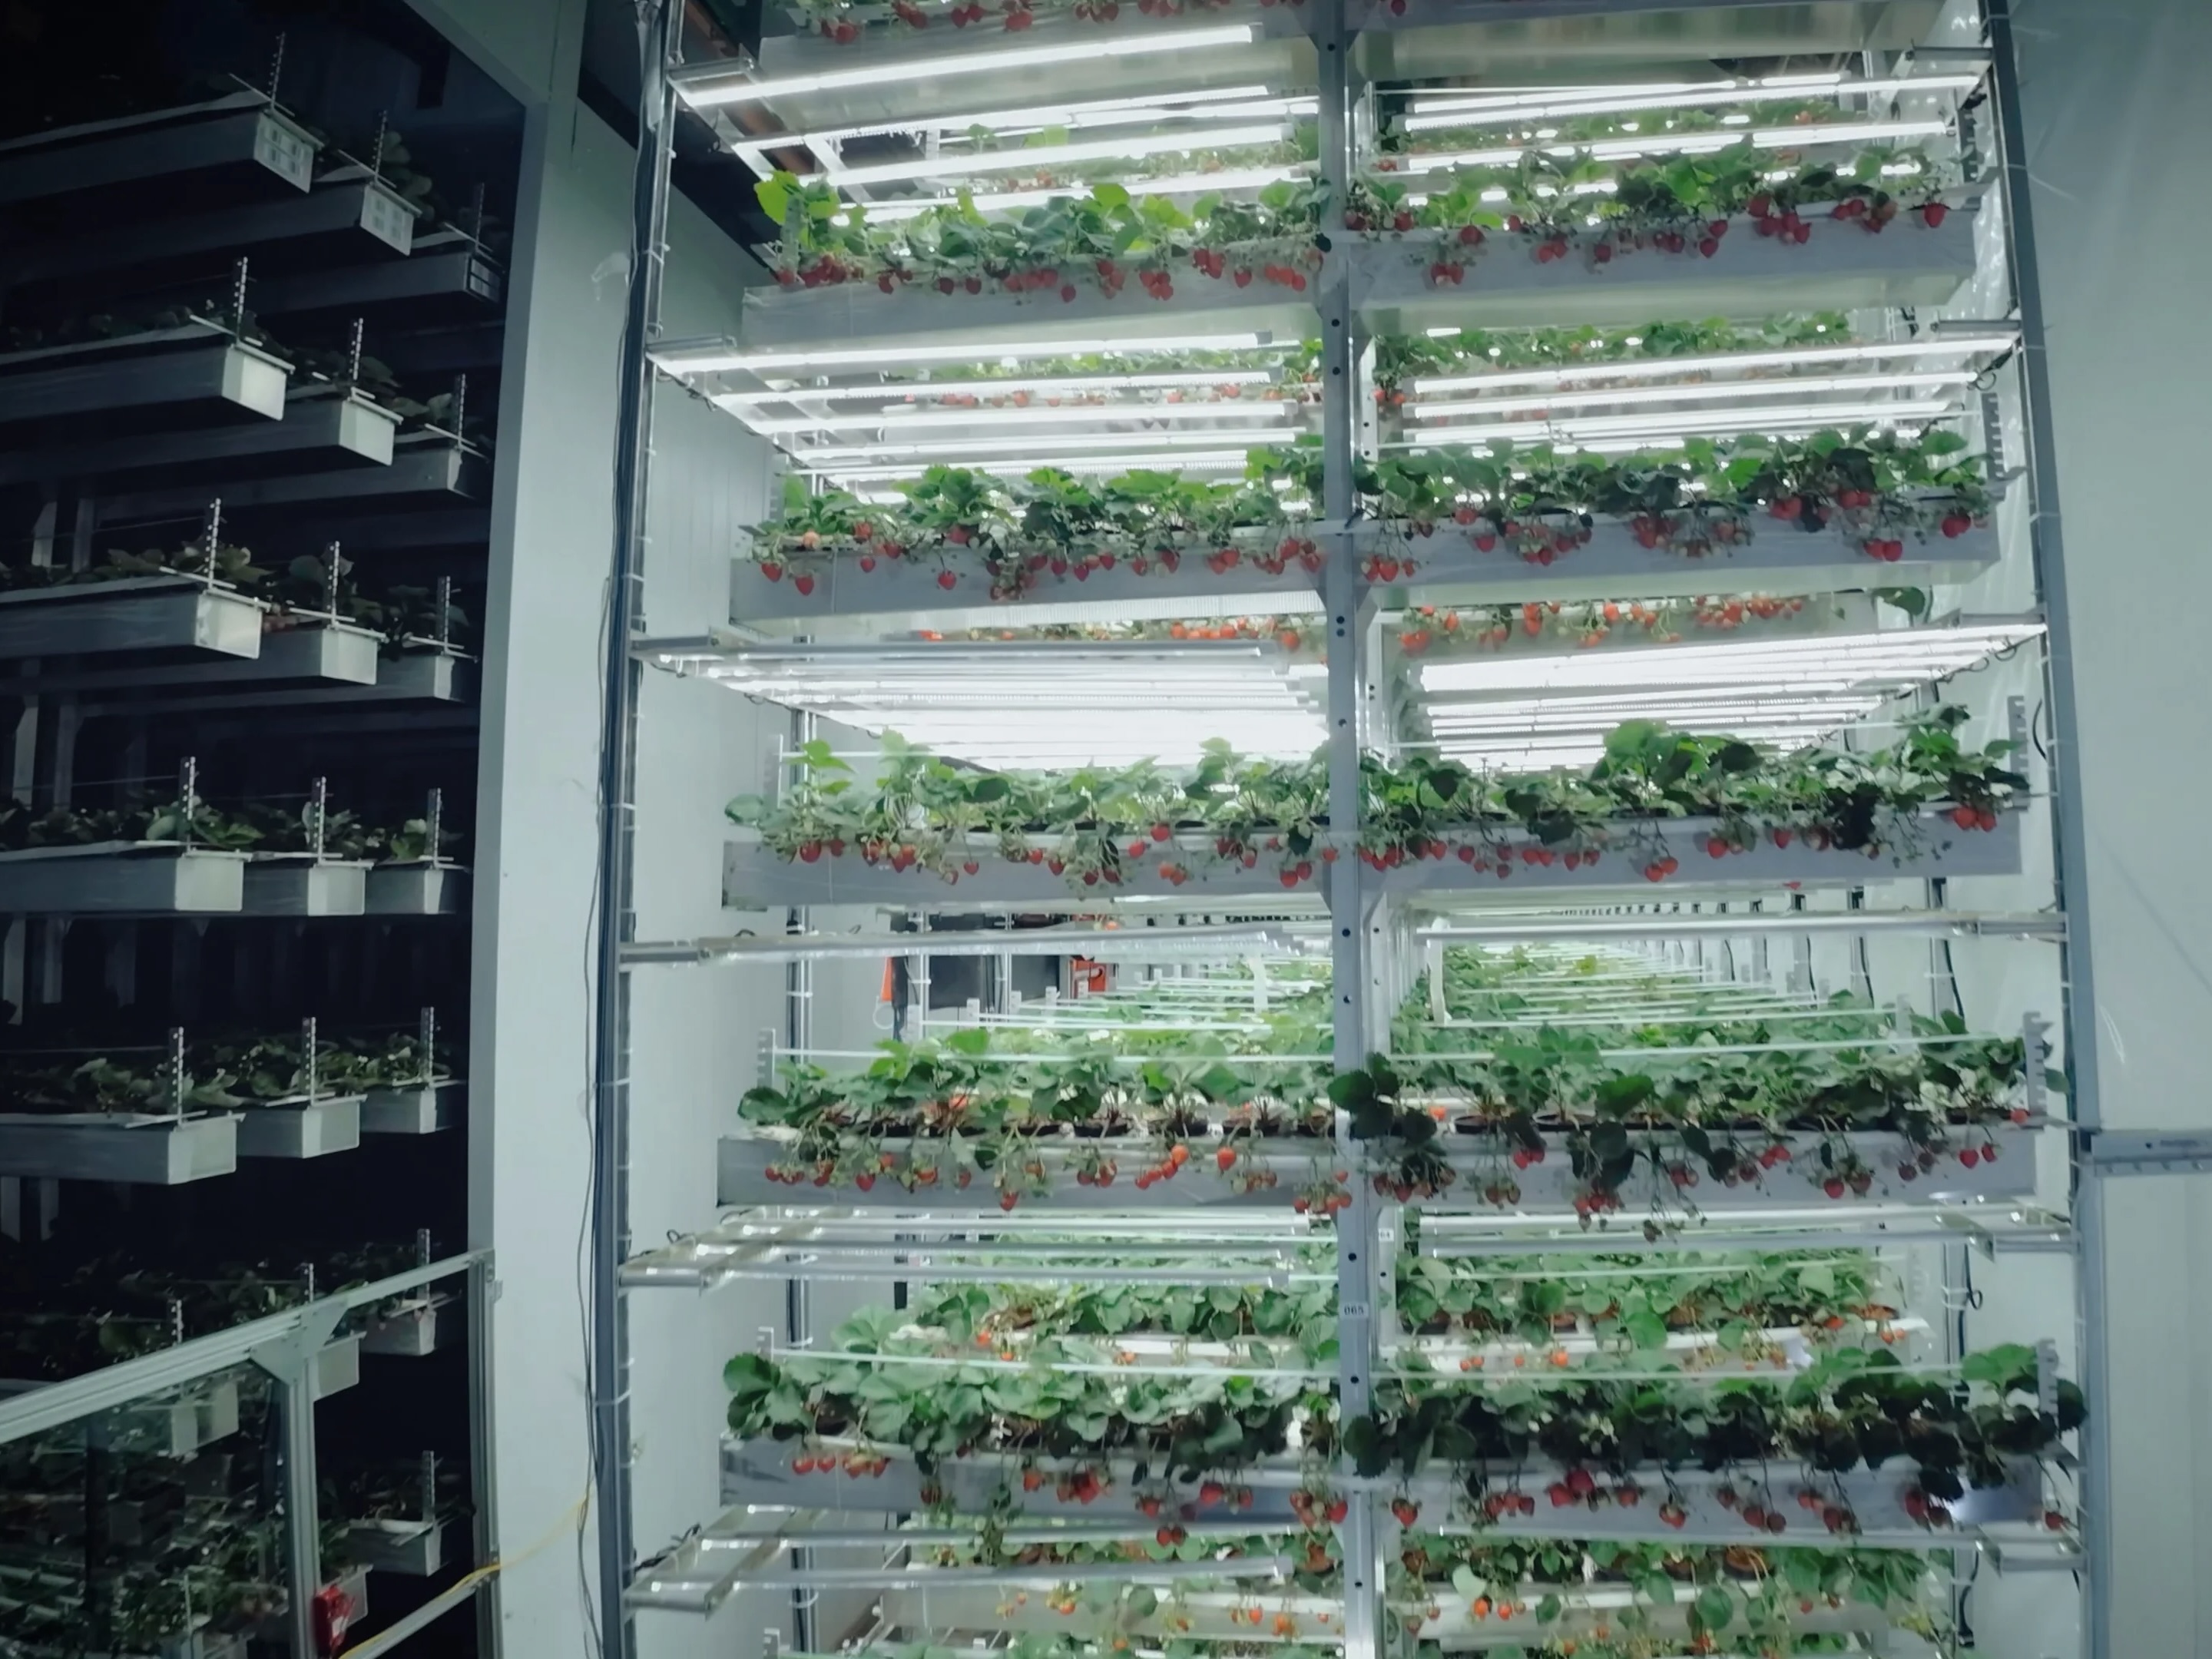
(1304, 1165)
(415, 1548)
(122, 879)
(239, 140)
(140, 613)
(880, 84)
(300, 884)
(907, 586)
(1842, 267)
(442, 474)
(743, 1162)
(301, 1128)
(1777, 559)
(1434, 37)
(177, 1424)
(852, 315)
(414, 1331)
(421, 888)
(193, 372)
(326, 431)
(332, 224)
(755, 877)
(143, 1150)
(421, 1109)
(1550, 1185)
(425, 288)
(760, 1472)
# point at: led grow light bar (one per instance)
(960, 164)
(1686, 144)
(891, 353)
(1468, 109)
(1174, 184)
(1934, 345)
(1215, 104)
(1223, 460)
(1701, 391)
(990, 448)
(1231, 414)
(706, 92)
(1034, 385)
(1666, 425)
(1048, 704)
(1903, 651)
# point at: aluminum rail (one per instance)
(1953, 923)
(41, 1409)
(1102, 944)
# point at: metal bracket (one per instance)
(2119, 1153)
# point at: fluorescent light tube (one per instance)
(1445, 110)
(1686, 144)
(1199, 106)
(918, 66)
(984, 448)
(1585, 428)
(957, 164)
(1223, 460)
(899, 354)
(1036, 385)
(1232, 413)
(1698, 391)
(1172, 183)
(1718, 362)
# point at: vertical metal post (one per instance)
(659, 40)
(1344, 598)
(303, 1555)
(482, 1291)
(2047, 551)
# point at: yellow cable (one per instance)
(567, 1524)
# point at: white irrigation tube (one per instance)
(1080, 1367)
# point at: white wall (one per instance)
(2117, 127)
(553, 523)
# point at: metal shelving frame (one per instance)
(295, 1349)
(1373, 950)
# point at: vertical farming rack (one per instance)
(1449, 402)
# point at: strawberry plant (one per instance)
(1101, 238)
(1403, 358)
(1851, 1409)
(1091, 825)
(1875, 488)
(1631, 1304)
(1756, 1593)
(1549, 206)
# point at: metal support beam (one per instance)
(2047, 550)
(660, 42)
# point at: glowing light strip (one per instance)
(1714, 362)
(1628, 426)
(1167, 184)
(961, 164)
(710, 94)
(1233, 414)
(1688, 143)
(897, 352)
(1878, 654)
(1223, 460)
(1035, 385)
(1103, 112)
(986, 448)
(1441, 110)
(1699, 391)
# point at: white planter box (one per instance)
(300, 884)
(150, 1151)
(422, 1110)
(421, 888)
(300, 1130)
